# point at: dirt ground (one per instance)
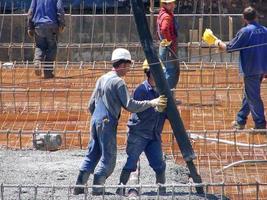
(60, 168)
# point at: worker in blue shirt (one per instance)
(109, 96)
(145, 134)
(45, 21)
(251, 41)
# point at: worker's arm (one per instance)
(60, 15)
(91, 104)
(129, 103)
(239, 41)
(30, 23)
(136, 106)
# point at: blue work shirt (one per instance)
(149, 123)
(46, 13)
(252, 61)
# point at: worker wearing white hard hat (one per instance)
(109, 96)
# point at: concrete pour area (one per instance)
(60, 168)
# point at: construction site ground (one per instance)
(211, 95)
(60, 168)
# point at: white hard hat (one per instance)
(120, 54)
(167, 1)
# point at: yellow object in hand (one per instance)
(165, 43)
(209, 37)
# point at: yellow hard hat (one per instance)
(167, 1)
(146, 65)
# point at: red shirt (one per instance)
(166, 27)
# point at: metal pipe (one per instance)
(40, 90)
(206, 132)
(240, 162)
(213, 184)
(199, 137)
(127, 15)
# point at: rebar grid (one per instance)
(172, 194)
(77, 43)
(211, 94)
(84, 74)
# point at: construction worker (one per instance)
(45, 21)
(251, 42)
(109, 95)
(167, 28)
(144, 134)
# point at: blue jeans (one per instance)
(172, 68)
(152, 148)
(46, 47)
(252, 102)
(102, 148)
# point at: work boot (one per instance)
(49, 75)
(81, 180)
(124, 177)
(38, 72)
(98, 181)
(48, 72)
(238, 126)
(161, 179)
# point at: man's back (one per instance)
(252, 43)
(47, 12)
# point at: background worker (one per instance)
(109, 95)
(45, 21)
(251, 41)
(167, 28)
(144, 134)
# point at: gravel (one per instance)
(40, 170)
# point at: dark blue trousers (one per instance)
(252, 102)
(102, 148)
(152, 148)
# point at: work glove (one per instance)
(165, 43)
(31, 33)
(160, 108)
(210, 38)
(61, 29)
(160, 101)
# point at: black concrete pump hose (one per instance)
(176, 122)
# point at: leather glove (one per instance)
(160, 108)
(31, 33)
(61, 29)
(160, 101)
(210, 38)
(165, 43)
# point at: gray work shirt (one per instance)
(114, 93)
